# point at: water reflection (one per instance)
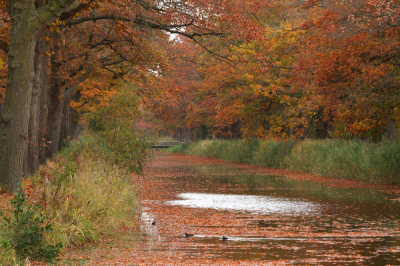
(304, 222)
(247, 203)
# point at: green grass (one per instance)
(233, 150)
(368, 162)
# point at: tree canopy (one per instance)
(277, 69)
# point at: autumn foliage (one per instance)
(289, 69)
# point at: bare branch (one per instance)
(79, 81)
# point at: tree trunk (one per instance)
(74, 127)
(64, 126)
(33, 145)
(237, 130)
(27, 23)
(322, 128)
(73, 124)
(392, 132)
(25, 169)
(43, 112)
(54, 114)
(54, 118)
(15, 112)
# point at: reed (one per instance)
(368, 162)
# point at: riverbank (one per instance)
(84, 195)
(376, 163)
(275, 220)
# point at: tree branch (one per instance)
(70, 12)
(122, 78)
(79, 81)
(141, 21)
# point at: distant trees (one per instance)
(320, 69)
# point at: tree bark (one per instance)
(54, 118)
(33, 145)
(43, 112)
(64, 125)
(15, 113)
(54, 114)
(27, 24)
(73, 124)
(25, 169)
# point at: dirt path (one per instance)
(165, 243)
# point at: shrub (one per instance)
(24, 232)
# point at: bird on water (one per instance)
(187, 235)
(224, 238)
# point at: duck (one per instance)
(187, 235)
(224, 238)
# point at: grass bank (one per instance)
(86, 193)
(369, 162)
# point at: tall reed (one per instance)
(368, 162)
(86, 195)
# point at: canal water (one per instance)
(299, 221)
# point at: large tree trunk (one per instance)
(27, 23)
(15, 112)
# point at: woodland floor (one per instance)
(165, 244)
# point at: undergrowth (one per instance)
(23, 233)
(86, 193)
(368, 162)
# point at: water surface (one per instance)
(319, 225)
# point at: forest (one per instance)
(222, 69)
(294, 69)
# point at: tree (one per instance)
(315, 69)
(192, 19)
(27, 25)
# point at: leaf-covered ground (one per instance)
(253, 239)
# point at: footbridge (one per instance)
(166, 144)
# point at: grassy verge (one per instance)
(368, 162)
(86, 193)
